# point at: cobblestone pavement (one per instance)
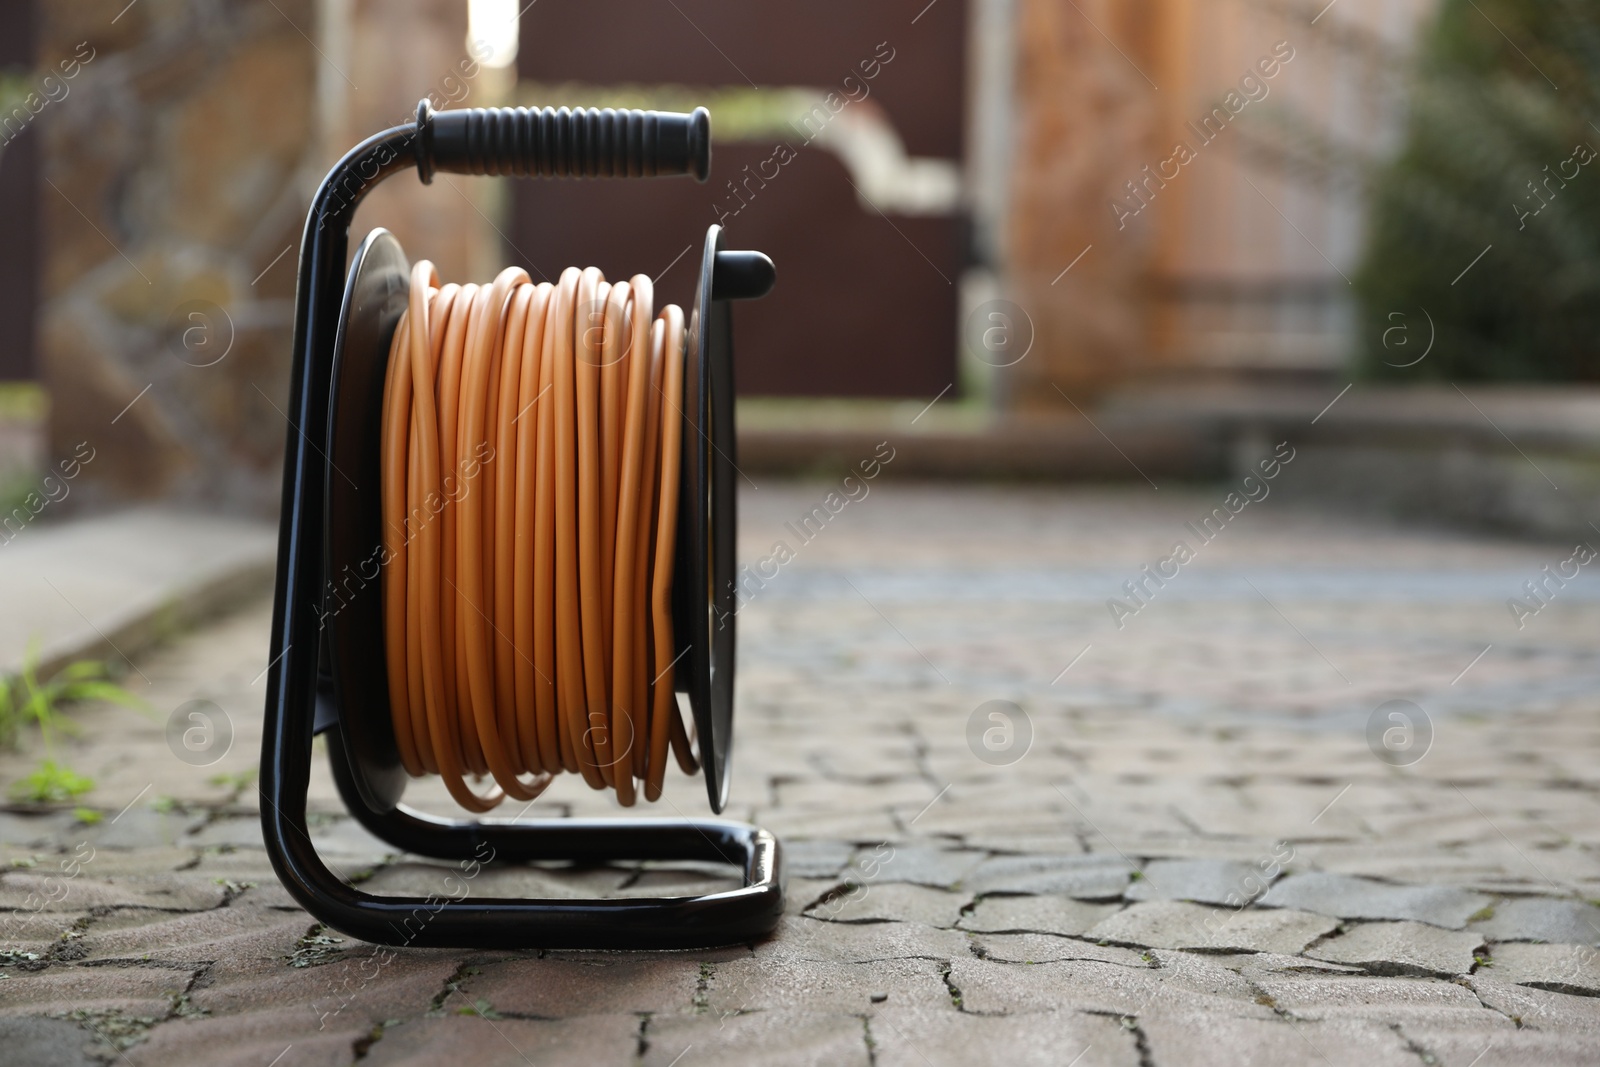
(1206, 836)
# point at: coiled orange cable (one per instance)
(530, 452)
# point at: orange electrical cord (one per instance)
(530, 486)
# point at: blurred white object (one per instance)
(492, 29)
(886, 177)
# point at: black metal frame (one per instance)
(313, 685)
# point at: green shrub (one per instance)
(1503, 92)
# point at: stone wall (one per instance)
(178, 171)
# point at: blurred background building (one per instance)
(1025, 209)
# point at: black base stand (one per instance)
(456, 917)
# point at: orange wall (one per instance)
(1225, 259)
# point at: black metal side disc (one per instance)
(704, 593)
(703, 582)
(352, 609)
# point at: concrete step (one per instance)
(110, 586)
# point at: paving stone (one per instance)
(1258, 965)
(174, 890)
(1085, 876)
(1399, 860)
(1160, 923)
(63, 988)
(1497, 1048)
(348, 841)
(989, 987)
(113, 863)
(1390, 1000)
(112, 921)
(892, 902)
(20, 926)
(958, 1039)
(816, 859)
(814, 939)
(424, 879)
(1049, 914)
(866, 761)
(1361, 898)
(44, 830)
(1537, 1009)
(1049, 948)
(250, 1039)
(47, 1043)
(469, 1038)
(1562, 968)
(972, 824)
(1542, 919)
(1044, 844)
(919, 864)
(247, 869)
(908, 793)
(20, 857)
(1402, 948)
(682, 881)
(801, 893)
(359, 984)
(1204, 881)
(559, 988)
(783, 1038)
(240, 831)
(44, 890)
(1222, 1040)
(1182, 925)
(142, 826)
(1248, 739)
(1201, 973)
(221, 933)
(870, 824)
(740, 986)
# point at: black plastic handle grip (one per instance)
(562, 142)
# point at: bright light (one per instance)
(492, 31)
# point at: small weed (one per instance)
(184, 1008)
(14, 495)
(51, 783)
(232, 890)
(316, 948)
(115, 1029)
(479, 1007)
(235, 783)
(24, 699)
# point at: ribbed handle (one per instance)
(563, 143)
